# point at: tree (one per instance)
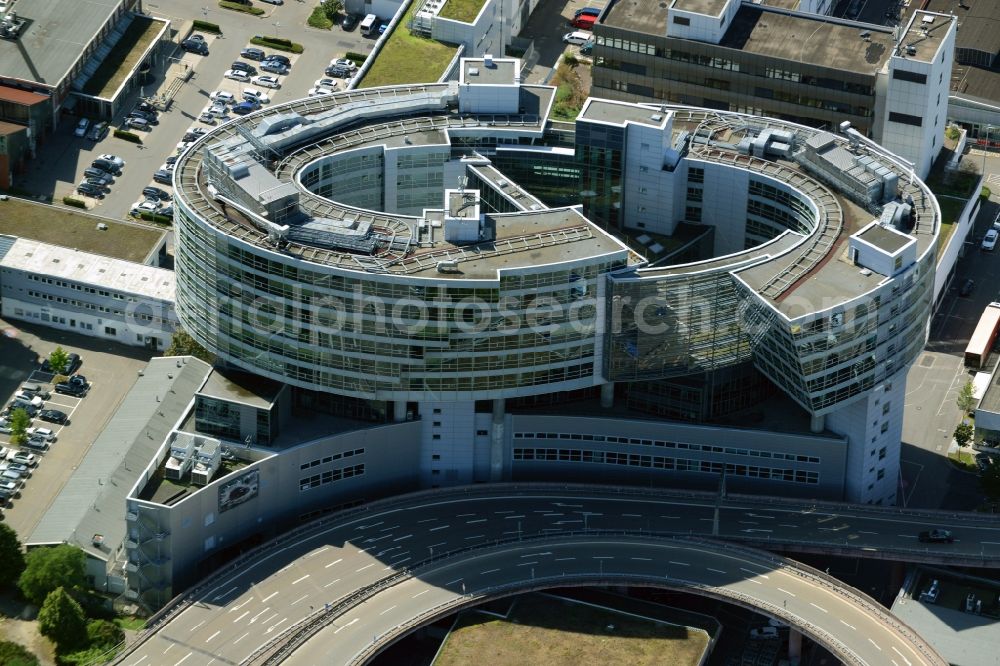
(966, 400)
(58, 360)
(989, 481)
(964, 433)
(182, 344)
(61, 619)
(19, 422)
(15, 654)
(332, 8)
(11, 557)
(48, 568)
(104, 635)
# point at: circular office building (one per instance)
(444, 249)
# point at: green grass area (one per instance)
(964, 460)
(319, 19)
(408, 58)
(950, 210)
(461, 10)
(570, 93)
(554, 632)
(131, 623)
(75, 229)
(124, 56)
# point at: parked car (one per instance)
(53, 416)
(588, 11)
(163, 177)
(587, 48)
(349, 22)
(103, 180)
(345, 63)
(266, 81)
(277, 57)
(100, 183)
(30, 388)
(147, 107)
(150, 117)
(274, 67)
(577, 37)
(223, 97)
(241, 66)
(29, 408)
(9, 486)
(29, 398)
(192, 45)
(71, 390)
(936, 536)
(36, 445)
(237, 75)
(24, 458)
(43, 433)
(98, 131)
(338, 70)
(82, 127)
(252, 53)
(20, 468)
(11, 475)
(243, 108)
(156, 192)
(145, 207)
(197, 38)
(97, 173)
(990, 239)
(274, 2)
(967, 287)
(137, 123)
(106, 166)
(319, 92)
(254, 95)
(89, 190)
(584, 22)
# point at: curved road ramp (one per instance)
(340, 590)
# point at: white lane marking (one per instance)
(907, 536)
(457, 580)
(680, 564)
(435, 545)
(564, 559)
(671, 517)
(520, 515)
(184, 658)
(345, 626)
(140, 660)
(269, 618)
(403, 538)
(819, 607)
(642, 559)
(286, 568)
(440, 527)
(299, 580)
(475, 536)
(464, 515)
(334, 562)
(849, 625)
(213, 636)
(427, 520)
(755, 582)
(550, 515)
(781, 589)
(318, 551)
(419, 593)
(751, 571)
(875, 644)
(528, 563)
(715, 570)
(506, 511)
(241, 638)
(269, 597)
(367, 566)
(387, 610)
(397, 562)
(225, 594)
(276, 625)
(864, 532)
(902, 656)
(254, 618)
(603, 557)
(245, 613)
(168, 648)
(197, 625)
(992, 543)
(477, 520)
(388, 529)
(631, 515)
(236, 608)
(332, 582)
(304, 596)
(786, 525)
(488, 571)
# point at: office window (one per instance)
(881, 453)
(885, 427)
(881, 474)
(886, 407)
(680, 20)
(912, 77)
(905, 119)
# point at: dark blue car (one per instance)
(243, 108)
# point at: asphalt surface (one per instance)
(235, 614)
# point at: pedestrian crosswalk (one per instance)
(993, 178)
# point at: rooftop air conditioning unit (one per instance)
(101, 226)
(473, 71)
(488, 60)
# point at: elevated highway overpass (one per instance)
(356, 581)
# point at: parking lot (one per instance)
(110, 369)
(62, 160)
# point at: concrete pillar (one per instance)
(817, 423)
(399, 411)
(608, 395)
(497, 441)
(794, 645)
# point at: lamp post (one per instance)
(277, 29)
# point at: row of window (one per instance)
(660, 462)
(317, 480)
(137, 316)
(78, 287)
(707, 448)
(329, 459)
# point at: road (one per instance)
(234, 614)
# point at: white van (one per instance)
(577, 37)
(369, 24)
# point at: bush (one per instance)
(240, 7)
(15, 654)
(319, 19)
(205, 26)
(571, 60)
(11, 557)
(103, 634)
(985, 192)
(19, 422)
(355, 57)
(128, 136)
(76, 202)
(62, 621)
(153, 217)
(276, 43)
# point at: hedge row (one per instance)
(240, 7)
(276, 43)
(75, 202)
(355, 57)
(128, 136)
(319, 19)
(205, 26)
(153, 217)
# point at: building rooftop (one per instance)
(78, 230)
(810, 39)
(93, 499)
(885, 239)
(56, 36)
(923, 37)
(517, 195)
(619, 113)
(637, 15)
(86, 268)
(18, 96)
(241, 387)
(978, 23)
(709, 7)
(501, 71)
(990, 401)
